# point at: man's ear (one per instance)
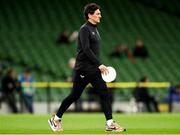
(89, 15)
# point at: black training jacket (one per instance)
(88, 48)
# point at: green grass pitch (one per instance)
(92, 123)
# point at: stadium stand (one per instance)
(29, 30)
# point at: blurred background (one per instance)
(140, 39)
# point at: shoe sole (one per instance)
(115, 130)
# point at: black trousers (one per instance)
(80, 81)
(11, 102)
(151, 101)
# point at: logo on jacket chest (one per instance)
(93, 33)
(96, 35)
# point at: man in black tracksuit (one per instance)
(9, 86)
(88, 69)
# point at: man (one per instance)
(27, 90)
(173, 96)
(88, 69)
(141, 94)
(9, 86)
